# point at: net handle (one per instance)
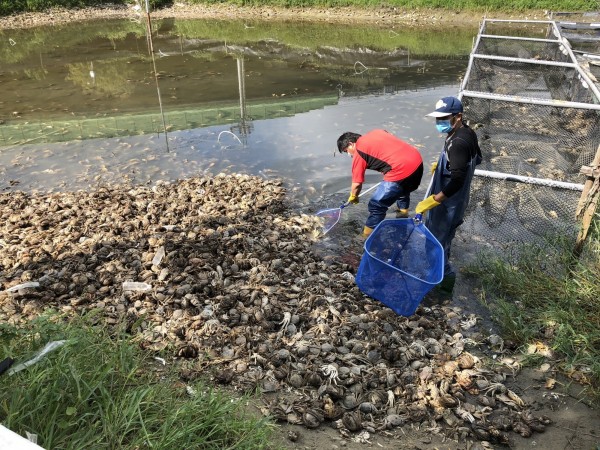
(361, 194)
(430, 183)
(419, 217)
(338, 211)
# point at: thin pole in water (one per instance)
(151, 48)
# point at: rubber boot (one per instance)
(401, 213)
(447, 285)
(442, 293)
(367, 231)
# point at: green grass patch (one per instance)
(99, 390)
(419, 41)
(17, 6)
(545, 295)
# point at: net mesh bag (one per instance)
(401, 263)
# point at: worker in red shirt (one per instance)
(400, 163)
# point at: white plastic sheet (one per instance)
(11, 440)
(50, 346)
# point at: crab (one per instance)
(464, 414)
(330, 371)
(469, 323)
(391, 399)
(420, 348)
(211, 326)
(514, 398)
(495, 388)
(287, 317)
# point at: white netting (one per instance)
(540, 141)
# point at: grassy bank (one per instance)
(546, 300)
(17, 6)
(99, 390)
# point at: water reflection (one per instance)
(286, 92)
(244, 125)
(46, 72)
(298, 149)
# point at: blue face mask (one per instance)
(443, 126)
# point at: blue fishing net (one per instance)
(402, 261)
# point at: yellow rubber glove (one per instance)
(426, 205)
(353, 199)
(433, 167)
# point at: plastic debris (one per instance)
(10, 439)
(31, 437)
(136, 286)
(160, 254)
(50, 346)
(191, 391)
(28, 284)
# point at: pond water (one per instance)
(80, 103)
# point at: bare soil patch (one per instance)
(384, 16)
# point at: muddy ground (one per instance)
(576, 424)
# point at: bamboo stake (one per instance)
(151, 48)
(588, 202)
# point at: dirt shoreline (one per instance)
(382, 16)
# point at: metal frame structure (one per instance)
(561, 41)
(570, 61)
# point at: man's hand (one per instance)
(353, 199)
(426, 204)
(433, 167)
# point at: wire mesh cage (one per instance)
(581, 29)
(545, 142)
(541, 141)
(526, 78)
(537, 120)
(542, 49)
(504, 213)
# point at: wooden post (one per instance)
(588, 202)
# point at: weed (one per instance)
(545, 294)
(100, 391)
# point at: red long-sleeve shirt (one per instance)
(381, 151)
